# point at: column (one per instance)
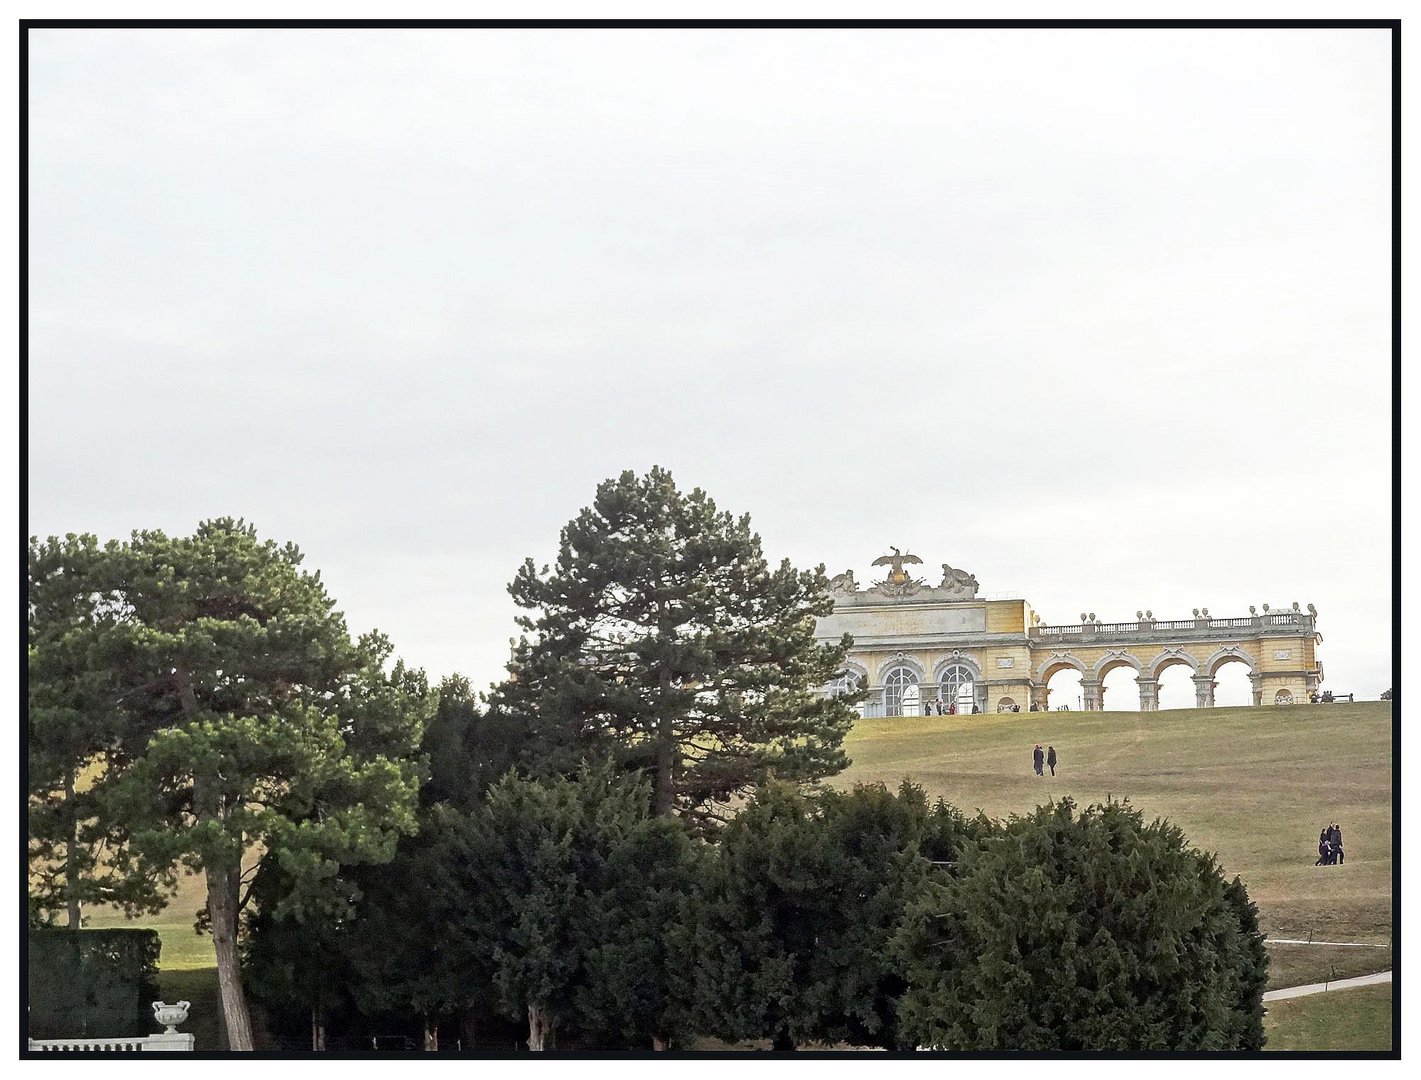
(1092, 695)
(1256, 681)
(1038, 697)
(1149, 693)
(1204, 691)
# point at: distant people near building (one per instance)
(952, 708)
(1051, 759)
(1016, 708)
(1312, 696)
(1037, 758)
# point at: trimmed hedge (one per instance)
(89, 984)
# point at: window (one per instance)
(957, 686)
(847, 683)
(1283, 697)
(900, 692)
(1006, 704)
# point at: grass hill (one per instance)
(1254, 785)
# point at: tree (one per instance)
(662, 637)
(1090, 931)
(271, 728)
(571, 886)
(78, 737)
(802, 905)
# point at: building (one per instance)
(916, 644)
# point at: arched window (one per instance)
(1005, 704)
(900, 692)
(957, 686)
(1283, 697)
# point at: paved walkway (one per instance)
(1301, 941)
(1320, 988)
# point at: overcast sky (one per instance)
(1099, 316)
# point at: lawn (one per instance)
(1357, 1019)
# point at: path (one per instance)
(1320, 988)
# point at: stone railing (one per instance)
(169, 1039)
(1281, 622)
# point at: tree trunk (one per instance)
(222, 908)
(71, 860)
(664, 801)
(468, 1026)
(318, 1025)
(782, 1040)
(540, 1027)
(431, 1033)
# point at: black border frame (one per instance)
(1394, 25)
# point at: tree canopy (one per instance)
(1090, 931)
(266, 726)
(663, 638)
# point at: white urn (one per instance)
(170, 1016)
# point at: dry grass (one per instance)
(1253, 785)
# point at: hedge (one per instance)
(86, 984)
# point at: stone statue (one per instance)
(843, 583)
(897, 575)
(958, 581)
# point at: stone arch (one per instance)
(967, 662)
(1053, 664)
(1169, 658)
(1112, 660)
(912, 664)
(1226, 654)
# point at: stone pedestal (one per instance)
(1204, 691)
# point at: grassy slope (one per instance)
(1254, 785)
(1358, 1019)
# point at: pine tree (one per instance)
(270, 727)
(663, 638)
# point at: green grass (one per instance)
(1357, 1019)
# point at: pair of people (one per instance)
(1329, 846)
(1048, 758)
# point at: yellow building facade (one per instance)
(919, 648)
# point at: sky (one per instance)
(1101, 317)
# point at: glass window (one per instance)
(900, 692)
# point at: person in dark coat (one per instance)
(1037, 757)
(1335, 836)
(1324, 848)
(1051, 759)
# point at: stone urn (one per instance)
(170, 1016)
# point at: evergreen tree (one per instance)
(1090, 931)
(78, 736)
(802, 905)
(662, 637)
(571, 886)
(271, 728)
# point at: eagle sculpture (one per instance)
(897, 575)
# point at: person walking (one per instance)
(1037, 757)
(1335, 836)
(1051, 759)
(1323, 848)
